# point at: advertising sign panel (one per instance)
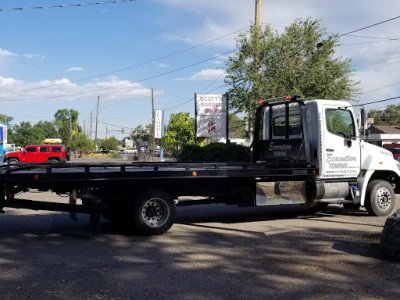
(3, 132)
(158, 124)
(210, 115)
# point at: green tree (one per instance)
(66, 122)
(180, 131)
(48, 128)
(109, 144)
(25, 134)
(270, 65)
(390, 116)
(237, 127)
(5, 119)
(80, 142)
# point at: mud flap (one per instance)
(95, 215)
(72, 201)
(2, 195)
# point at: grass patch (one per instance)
(369, 239)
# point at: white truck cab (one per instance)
(323, 134)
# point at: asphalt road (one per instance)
(212, 252)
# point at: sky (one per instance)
(116, 53)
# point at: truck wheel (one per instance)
(380, 198)
(52, 161)
(153, 213)
(13, 161)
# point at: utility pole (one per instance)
(152, 123)
(91, 122)
(256, 63)
(258, 13)
(97, 120)
(70, 123)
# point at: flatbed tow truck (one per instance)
(309, 152)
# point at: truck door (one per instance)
(340, 147)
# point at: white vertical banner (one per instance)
(210, 115)
(3, 134)
(158, 124)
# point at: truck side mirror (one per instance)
(363, 125)
(349, 142)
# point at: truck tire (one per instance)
(380, 198)
(52, 161)
(13, 161)
(153, 213)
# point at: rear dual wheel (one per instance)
(153, 212)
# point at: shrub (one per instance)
(114, 154)
(215, 152)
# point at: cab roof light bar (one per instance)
(280, 100)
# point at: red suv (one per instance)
(39, 154)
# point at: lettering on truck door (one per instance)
(340, 152)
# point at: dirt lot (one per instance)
(212, 252)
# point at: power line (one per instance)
(165, 109)
(353, 35)
(66, 5)
(363, 43)
(381, 88)
(373, 37)
(185, 50)
(130, 67)
(127, 83)
(369, 26)
(377, 101)
(118, 126)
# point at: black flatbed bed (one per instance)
(148, 170)
(137, 190)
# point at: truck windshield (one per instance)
(340, 122)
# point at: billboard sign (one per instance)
(158, 124)
(210, 115)
(3, 133)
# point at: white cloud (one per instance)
(209, 74)
(176, 38)
(65, 90)
(161, 65)
(74, 69)
(32, 56)
(6, 53)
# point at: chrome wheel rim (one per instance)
(155, 212)
(383, 198)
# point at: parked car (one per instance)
(38, 154)
(395, 149)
